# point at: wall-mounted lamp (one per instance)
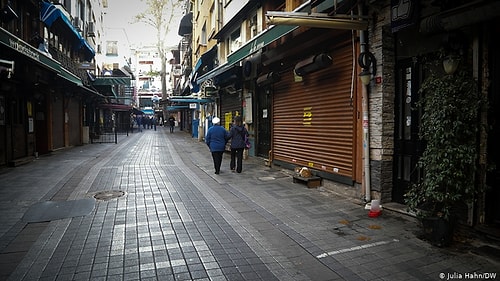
(450, 64)
(365, 77)
(367, 60)
(312, 64)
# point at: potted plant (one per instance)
(449, 126)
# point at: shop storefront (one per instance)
(42, 102)
(314, 109)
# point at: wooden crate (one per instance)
(311, 182)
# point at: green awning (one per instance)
(109, 81)
(29, 51)
(26, 49)
(69, 76)
(106, 90)
(260, 41)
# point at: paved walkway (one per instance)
(162, 214)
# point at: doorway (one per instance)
(407, 145)
(264, 122)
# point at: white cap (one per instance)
(215, 120)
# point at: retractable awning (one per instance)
(204, 64)
(70, 77)
(50, 13)
(92, 91)
(186, 25)
(319, 21)
(219, 73)
(177, 107)
(191, 100)
(216, 71)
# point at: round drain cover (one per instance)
(108, 194)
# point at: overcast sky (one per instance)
(121, 14)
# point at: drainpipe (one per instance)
(366, 122)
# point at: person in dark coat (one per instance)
(237, 135)
(216, 139)
(171, 123)
(139, 122)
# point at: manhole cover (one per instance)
(108, 194)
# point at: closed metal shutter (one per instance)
(74, 122)
(230, 106)
(57, 115)
(314, 119)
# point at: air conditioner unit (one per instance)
(90, 29)
(77, 23)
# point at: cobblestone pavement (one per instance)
(160, 213)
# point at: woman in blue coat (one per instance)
(216, 140)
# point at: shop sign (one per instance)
(404, 13)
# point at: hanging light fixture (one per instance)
(367, 60)
(365, 77)
(450, 64)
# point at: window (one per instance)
(67, 5)
(213, 18)
(203, 39)
(81, 10)
(112, 48)
(252, 27)
(235, 42)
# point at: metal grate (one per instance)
(108, 195)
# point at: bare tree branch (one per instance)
(161, 14)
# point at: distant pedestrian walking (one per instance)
(154, 121)
(237, 135)
(171, 123)
(216, 139)
(139, 122)
(149, 120)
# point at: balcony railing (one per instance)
(70, 64)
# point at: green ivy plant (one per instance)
(449, 126)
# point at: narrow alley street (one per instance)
(151, 208)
